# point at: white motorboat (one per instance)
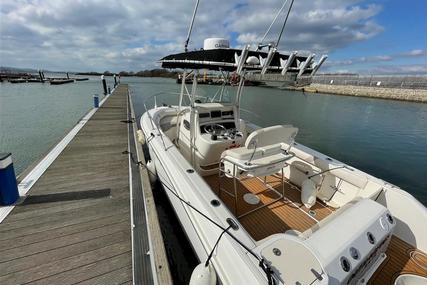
(260, 208)
(292, 215)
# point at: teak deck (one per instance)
(399, 261)
(286, 214)
(75, 225)
(290, 214)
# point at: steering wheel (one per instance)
(212, 128)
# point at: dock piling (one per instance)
(41, 76)
(96, 101)
(104, 84)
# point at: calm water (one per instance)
(35, 116)
(387, 139)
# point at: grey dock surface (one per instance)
(75, 224)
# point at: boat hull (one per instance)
(232, 264)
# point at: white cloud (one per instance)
(415, 52)
(134, 34)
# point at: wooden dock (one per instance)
(75, 226)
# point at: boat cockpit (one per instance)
(204, 134)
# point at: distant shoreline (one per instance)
(146, 73)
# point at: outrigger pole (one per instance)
(191, 26)
(260, 45)
(284, 24)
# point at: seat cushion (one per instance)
(241, 153)
(271, 136)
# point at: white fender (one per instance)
(203, 275)
(308, 193)
(141, 137)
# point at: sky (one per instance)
(368, 37)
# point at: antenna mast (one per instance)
(191, 26)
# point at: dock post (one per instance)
(115, 80)
(8, 188)
(41, 76)
(109, 90)
(96, 101)
(104, 84)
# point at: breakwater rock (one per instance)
(413, 95)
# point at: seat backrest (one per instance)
(271, 135)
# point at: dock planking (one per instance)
(65, 238)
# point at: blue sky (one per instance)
(370, 37)
(404, 32)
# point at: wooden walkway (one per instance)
(75, 226)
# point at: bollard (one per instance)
(104, 84)
(115, 80)
(8, 188)
(109, 90)
(96, 101)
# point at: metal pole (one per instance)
(191, 26)
(181, 94)
(272, 23)
(284, 24)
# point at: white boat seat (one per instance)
(347, 175)
(263, 153)
(243, 153)
(271, 136)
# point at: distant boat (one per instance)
(34, 80)
(18, 80)
(81, 79)
(61, 81)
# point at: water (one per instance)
(35, 116)
(387, 139)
